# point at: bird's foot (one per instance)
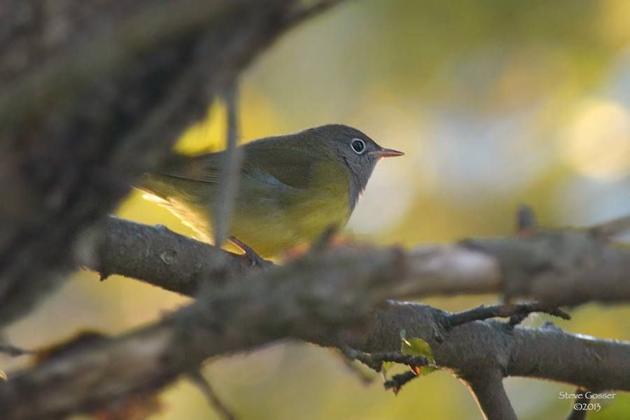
(255, 259)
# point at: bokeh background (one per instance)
(495, 102)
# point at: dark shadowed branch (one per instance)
(124, 80)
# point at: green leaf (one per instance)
(418, 347)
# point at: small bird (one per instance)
(291, 188)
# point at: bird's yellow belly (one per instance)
(270, 231)
(268, 226)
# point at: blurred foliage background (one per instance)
(495, 102)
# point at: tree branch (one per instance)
(487, 387)
(555, 267)
(173, 262)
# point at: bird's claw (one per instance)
(254, 259)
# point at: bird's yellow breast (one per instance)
(271, 225)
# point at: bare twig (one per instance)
(396, 382)
(525, 219)
(230, 168)
(375, 360)
(364, 377)
(211, 396)
(502, 311)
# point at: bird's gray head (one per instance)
(358, 152)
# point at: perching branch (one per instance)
(555, 267)
(173, 262)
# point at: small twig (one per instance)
(398, 381)
(580, 400)
(375, 360)
(213, 399)
(357, 371)
(517, 319)
(230, 168)
(611, 228)
(525, 220)
(517, 312)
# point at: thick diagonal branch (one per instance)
(559, 267)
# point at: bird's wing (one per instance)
(273, 165)
(202, 168)
(280, 165)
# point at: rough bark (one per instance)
(559, 267)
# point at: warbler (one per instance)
(291, 188)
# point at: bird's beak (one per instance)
(386, 153)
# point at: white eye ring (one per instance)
(358, 146)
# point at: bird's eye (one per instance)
(358, 146)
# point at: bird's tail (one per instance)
(159, 183)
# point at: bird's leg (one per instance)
(255, 259)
